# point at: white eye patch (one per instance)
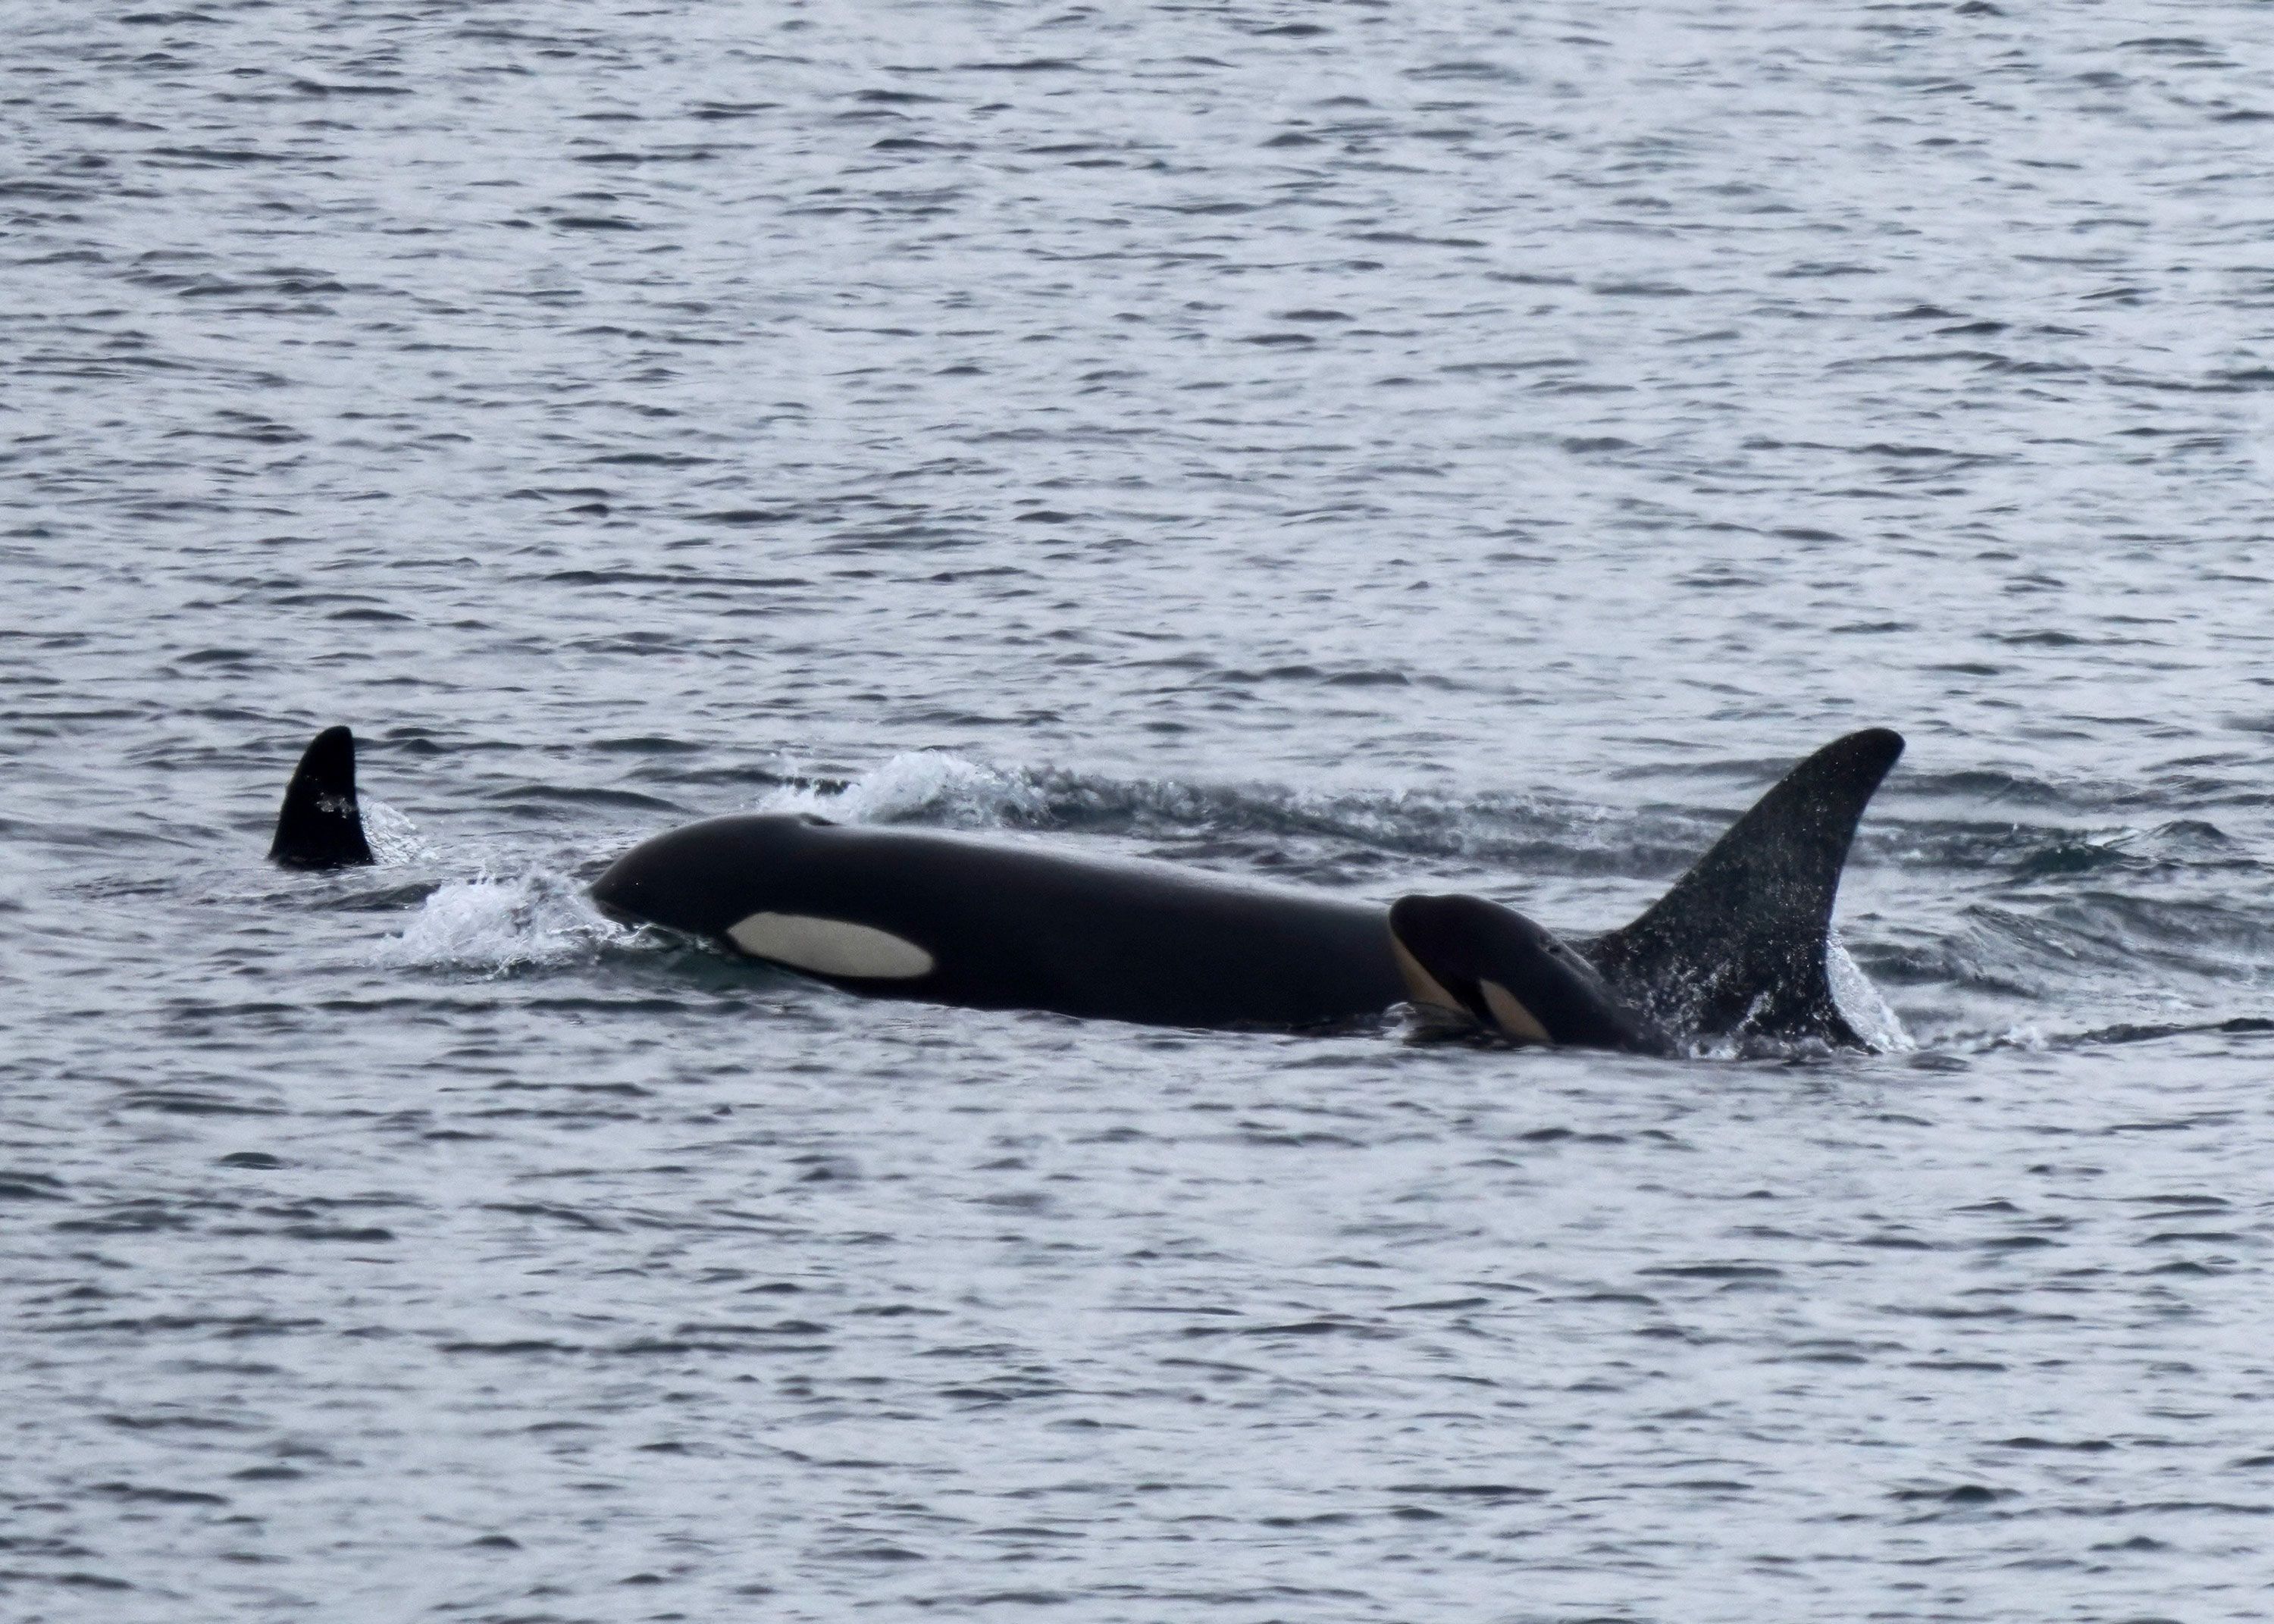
(830, 947)
(1514, 1019)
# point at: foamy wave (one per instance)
(929, 783)
(393, 836)
(500, 924)
(2027, 1037)
(935, 787)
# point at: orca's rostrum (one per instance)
(1737, 949)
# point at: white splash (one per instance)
(1866, 1009)
(931, 783)
(392, 836)
(499, 924)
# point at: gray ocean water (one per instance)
(1367, 447)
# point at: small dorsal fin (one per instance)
(320, 825)
(1508, 975)
(1739, 943)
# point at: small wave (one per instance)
(2135, 1031)
(2022, 1035)
(2028, 852)
(503, 924)
(1523, 834)
(926, 784)
(2127, 936)
(2034, 1040)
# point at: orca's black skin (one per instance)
(1023, 927)
(1739, 947)
(1506, 973)
(1736, 949)
(320, 825)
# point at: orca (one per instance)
(1489, 963)
(954, 919)
(321, 825)
(1738, 948)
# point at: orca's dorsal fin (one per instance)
(1738, 946)
(320, 825)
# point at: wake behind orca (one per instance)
(1738, 948)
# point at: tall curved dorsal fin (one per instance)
(1738, 944)
(320, 825)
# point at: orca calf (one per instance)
(1736, 950)
(1510, 975)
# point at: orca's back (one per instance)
(1025, 927)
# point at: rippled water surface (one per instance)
(1368, 447)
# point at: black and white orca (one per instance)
(1739, 949)
(322, 824)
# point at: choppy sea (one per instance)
(1361, 446)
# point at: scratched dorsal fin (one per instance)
(1738, 946)
(320, 826)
